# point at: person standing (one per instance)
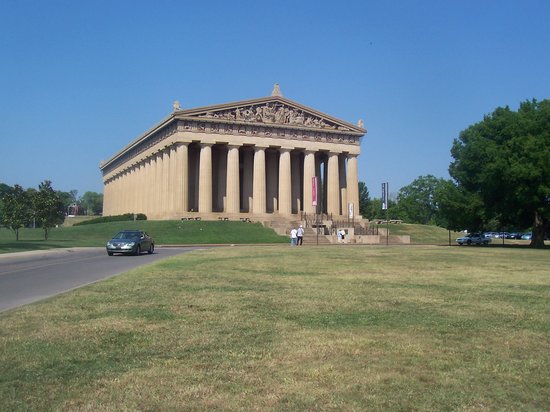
(300, 235)
(293, 236)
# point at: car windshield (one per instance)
(127, 235)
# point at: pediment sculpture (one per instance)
(273, 113)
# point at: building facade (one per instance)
(252, 159)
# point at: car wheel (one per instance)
(138, 250)
(151, 249)
(469, 242)
(110, 253)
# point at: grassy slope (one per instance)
(422, 234)
(280, 328)
(164, 232)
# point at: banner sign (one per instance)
(350, 210)
(314, 191)
(385, 195)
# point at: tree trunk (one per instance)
(16, 234)
(539, 230)
(45, 234)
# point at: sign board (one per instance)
(385, 195)
(350, 210)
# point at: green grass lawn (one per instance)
(164, 232)
(422, 234)
(281, 328)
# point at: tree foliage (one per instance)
(364, 200)
(92, 202)
(48, 207)
(458, 209)
(416, 202)
(15, 209)
(504, 161)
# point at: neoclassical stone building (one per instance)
(252, 159)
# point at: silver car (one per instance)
(130, 242)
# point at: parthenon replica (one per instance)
(260, 159)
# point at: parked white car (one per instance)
(473, 239)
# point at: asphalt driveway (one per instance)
(28, 277)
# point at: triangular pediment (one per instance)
(273, 110)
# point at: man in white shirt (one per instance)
(293, 237)
(300, 235)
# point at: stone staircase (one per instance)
(282, 227)
(311, 238)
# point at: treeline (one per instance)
(44, 208)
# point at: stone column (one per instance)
(309, 173)
(180, 174)
(159, 204)
(205, 178)
(138, 195)
(123, 190)
(132, 200)
(353, 184)
(172, 184)
(232, 190)
(343, 192)
(147, 187)
(165, 182)
(258, 184)
(285, 183)
(333, 185)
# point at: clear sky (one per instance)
(80, 79)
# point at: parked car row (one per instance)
(508, 235)
(485, 238)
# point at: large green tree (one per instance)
(416, 202)
(48, 207)
(15, 209)
(458, 209)
(504, 160)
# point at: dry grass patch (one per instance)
(278, 328)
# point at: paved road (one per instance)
(31, 276)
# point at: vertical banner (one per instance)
(350, 210)
(385, 195)
(314, 191)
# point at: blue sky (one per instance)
(80, 79)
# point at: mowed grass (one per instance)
(422, 234)
(281, 328)
(166, 232)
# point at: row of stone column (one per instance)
(159, 185)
